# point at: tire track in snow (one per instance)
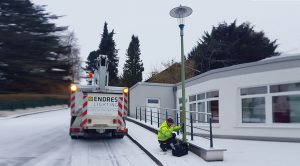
(113, 158)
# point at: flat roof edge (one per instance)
(244, 65)
(152, 84)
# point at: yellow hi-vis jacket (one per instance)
(165, 131)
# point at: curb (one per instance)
(207, 155)
(143, 125)
(31, 113)
(145, 150)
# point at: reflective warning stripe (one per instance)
(72, 103)
(120, 113)
(84, 113)
(84, 110)
(83, 122)
(126, 104)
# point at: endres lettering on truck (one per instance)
(103, 99)
(104, 104)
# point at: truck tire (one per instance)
(76, 137)
(120, 136)
(114, 135)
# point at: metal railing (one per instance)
(159, 115)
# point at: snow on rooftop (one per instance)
(280, 56)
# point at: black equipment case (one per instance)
(181, 149)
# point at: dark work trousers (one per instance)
(164, 145)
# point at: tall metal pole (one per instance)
(183, 118)
(180, 13)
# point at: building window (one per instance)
(201, 112)
(213, 108)
(253, 104)
(253, 110)
(193, 112)
(285, 87)
(180, 100)
(153, 101)
(254, 90)
(192, 98)
(202, 104)
(201, 96)
(212, 94)
(286, 109)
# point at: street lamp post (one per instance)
(180, 13)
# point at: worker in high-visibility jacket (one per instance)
(166, 137)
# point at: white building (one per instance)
(259, 100)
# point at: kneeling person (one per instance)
(166, 137)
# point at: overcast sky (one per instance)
(158, 32)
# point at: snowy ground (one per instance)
(43, 140)
(239, 152)
(4, 114)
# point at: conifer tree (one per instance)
(133, 67)
(106, 47)
(32, 57)
(231, 44)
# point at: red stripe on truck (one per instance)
(84, 104)
(73, 98)
(120, 122)
(84, 113)
(120, 114)
(73, 105)
(120, 105)
(83, 122)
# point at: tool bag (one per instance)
(180, 149)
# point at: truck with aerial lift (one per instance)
(98, 109)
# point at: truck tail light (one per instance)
(73, 87)
(114, 121)
(74, 130)
(125, 90)
(89, 121)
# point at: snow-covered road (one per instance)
(43, 140)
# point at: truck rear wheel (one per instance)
(76, 137)
(117, 135)
(120, 136)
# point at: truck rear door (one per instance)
(102, 109)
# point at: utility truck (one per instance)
(96, 108)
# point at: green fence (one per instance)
(31, 103)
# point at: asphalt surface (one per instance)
(43, 140)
